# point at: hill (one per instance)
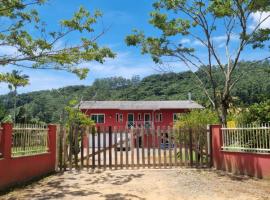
(47, 105)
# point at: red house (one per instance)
(136, 113)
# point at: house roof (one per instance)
(140, 105)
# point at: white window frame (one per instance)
(159, 117)
(131, 114)
(149, 115)
(139, 116)
(121, 117)
(179, 114)
(117, 117)
(99, 114)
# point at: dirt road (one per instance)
(165, 184)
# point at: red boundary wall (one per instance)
(251, 164)
(18, 170)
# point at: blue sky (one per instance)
(122, 16)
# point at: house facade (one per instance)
(136, 113)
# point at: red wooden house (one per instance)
(127, 114)
(136, 113)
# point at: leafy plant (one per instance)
(197, 118)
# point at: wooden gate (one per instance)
(129, 148)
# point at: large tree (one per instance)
(26, 42)
(207, 35)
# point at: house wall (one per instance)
(251, 164)
(17, 170)
(110, 116)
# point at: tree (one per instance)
(32, 46)
(15, 80)
(185, 25)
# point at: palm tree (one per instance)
(15, 79)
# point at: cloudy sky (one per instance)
(122, 17)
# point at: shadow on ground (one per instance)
(75, 185)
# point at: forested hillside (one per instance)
(46, 106)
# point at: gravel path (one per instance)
(171, 184)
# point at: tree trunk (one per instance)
(15, 104)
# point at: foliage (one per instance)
(257, 113)
(75, 116)
(197, 118)
(200, 22)
(37, 48)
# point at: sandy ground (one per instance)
(171, 184)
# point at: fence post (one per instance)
(6, 140)
(52, 142)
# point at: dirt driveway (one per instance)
(141, 184)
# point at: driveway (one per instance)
(165, 184)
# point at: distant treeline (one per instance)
(47, 106)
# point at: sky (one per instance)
(122, 17)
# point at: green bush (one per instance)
(256, 114)
(197, 118)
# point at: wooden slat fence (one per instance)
(123, 148)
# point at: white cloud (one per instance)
(260, 17)
(185, 41)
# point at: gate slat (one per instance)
(110, 147)
(115, 147)
(154, 147)
(132, 147)
(88, 145)
(137, 147)
(159, 143)
(190, 147)
(65, 148)
(82, 130)
(121, 147)
(186, 146)
(126, 147)
(93, 147)
(148, 147)
(180, 147)
(104, 146)
(164, 147)
(170, 145)
(98, 145)
(143, 156)
(175, 147)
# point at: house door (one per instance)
(147, 120)
(130, 120)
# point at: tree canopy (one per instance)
(33, 46)
(187, 26)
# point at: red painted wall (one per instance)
(110, 116)
(22, 169)
(251, 164)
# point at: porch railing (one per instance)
(29, 139)
(140, 124)
(247, 139)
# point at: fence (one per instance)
(248, 138)
(118, 147)
(243, 150)
(29, 139)
(26, 153)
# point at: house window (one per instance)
(98, 118)
(158, 117)
(176, 116)
(139, 116)
(119, 117)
